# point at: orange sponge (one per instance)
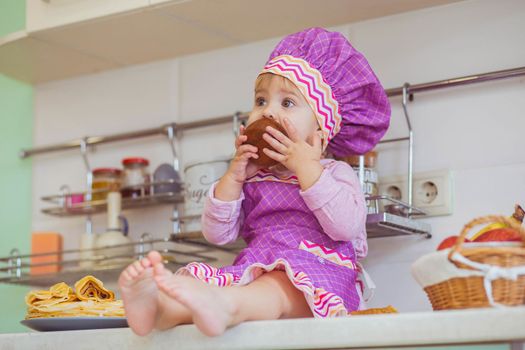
(46, 242)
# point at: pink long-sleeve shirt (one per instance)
(335, 199)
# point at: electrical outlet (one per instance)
(394, 187)
(431, 191)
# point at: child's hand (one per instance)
(240, 167)
(291, 151)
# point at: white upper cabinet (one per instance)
(45, 14)
(67, 38)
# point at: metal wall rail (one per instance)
(466, 80)
(164, 129)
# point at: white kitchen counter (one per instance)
(405, 329)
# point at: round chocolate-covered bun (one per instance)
(255, 133)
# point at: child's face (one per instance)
(276, 98)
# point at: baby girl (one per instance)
(303, 220)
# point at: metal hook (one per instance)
(65, 196)
(83, 150)
(15, 254)
(142, 249)
(406, 88)
(171, 137)
(361, 174)
(176, 222)
(89, 180)
(176, 165)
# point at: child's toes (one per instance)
(125, 276)
(130, 269)
(145, 263)
(138, 266)
(154, 257)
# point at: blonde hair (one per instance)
(265, 79)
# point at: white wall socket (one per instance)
(432, 191)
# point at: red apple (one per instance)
(499, 235)
(449, 242)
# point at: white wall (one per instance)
(471, 130)
(474, 131)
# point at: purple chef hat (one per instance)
(348, 100)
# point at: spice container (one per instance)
(370, 180)
(136, 177)
(103, 180)
(370, 160)
(69, 200)
(370, 187)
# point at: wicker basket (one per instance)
(470, 292)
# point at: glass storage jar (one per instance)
(370, 180)
(103, 180)
(136, 177)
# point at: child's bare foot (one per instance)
(140, 293)
(212, 310)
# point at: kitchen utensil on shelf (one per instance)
(87, 243)
(167, 179)
(119, 246)
(198, 178)
(396, 209)
(135, 178)
(68, 199)
(371, 179)
(370, 159)
(103, 179)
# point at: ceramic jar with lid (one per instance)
(199, 177)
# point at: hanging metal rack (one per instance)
(106, 263)
(64, 206)
(383, 224)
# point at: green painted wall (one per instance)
(16, 132)
(12, 16)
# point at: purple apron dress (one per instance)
(281, 233)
